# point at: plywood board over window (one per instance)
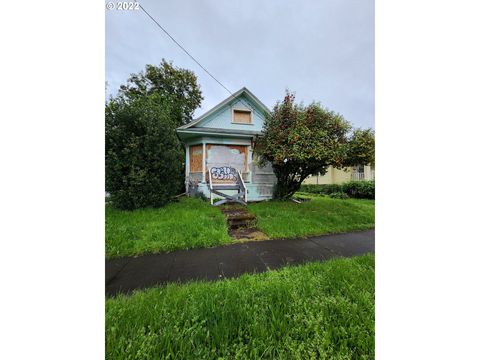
(196, 158)
(228, 155)
(242, 116)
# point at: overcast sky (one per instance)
(322, 50)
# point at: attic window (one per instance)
(242, 117)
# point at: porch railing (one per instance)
(357, 176)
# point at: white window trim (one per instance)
(244, 110)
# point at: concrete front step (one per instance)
(247, 217)
(240, 216)
(242, 224)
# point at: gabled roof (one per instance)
(234, 96)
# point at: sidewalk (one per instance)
(126, 274)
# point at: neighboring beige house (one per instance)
(335, 176)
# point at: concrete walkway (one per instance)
(126, 274)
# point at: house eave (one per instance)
(184, 133)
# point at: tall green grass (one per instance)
(187, 224)
(313, 311)
(193, 223)
(320, 215)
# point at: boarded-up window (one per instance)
(196, 158)
(242, 116)
(228, 155)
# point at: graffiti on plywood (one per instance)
(224, 173)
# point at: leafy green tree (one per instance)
(178, 85)
(305, 140)
(143, 156)
(362, 148)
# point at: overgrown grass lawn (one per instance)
(320, 215)
(187, 224)
(192, 223)
(312, 311)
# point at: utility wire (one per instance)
(186, 52)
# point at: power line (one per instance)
(191, 56)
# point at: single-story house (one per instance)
(224, 137)
(338, 176)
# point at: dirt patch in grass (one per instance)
(242, 223)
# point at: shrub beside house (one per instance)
(339, 176)
(351, 189)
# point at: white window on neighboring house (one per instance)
(358, 172)
(242, 116)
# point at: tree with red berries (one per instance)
(303, 140)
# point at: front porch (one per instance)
(206, 152)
